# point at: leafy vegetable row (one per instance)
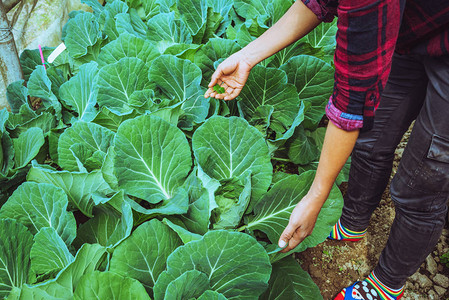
(120, 179)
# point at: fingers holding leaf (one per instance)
(229, 78)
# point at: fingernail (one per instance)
(282, 243)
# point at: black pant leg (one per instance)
(420, 188)
(373, 155)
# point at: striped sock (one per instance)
(370, 289)
(340, 233)
(384, 292)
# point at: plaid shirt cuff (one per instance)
(342, 119)
(320, 11)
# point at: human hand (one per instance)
(301, 223)
(232, 75)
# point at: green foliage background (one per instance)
(119, 179)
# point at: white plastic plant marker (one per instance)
(56, 53)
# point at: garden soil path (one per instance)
(334, 265)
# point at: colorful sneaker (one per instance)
(370, 289)
(340, 233)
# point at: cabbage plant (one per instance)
(120, 180)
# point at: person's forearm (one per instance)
(337, 147)
(294, 24)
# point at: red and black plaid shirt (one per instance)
(368, 34)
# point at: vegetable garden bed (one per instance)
(125, 181)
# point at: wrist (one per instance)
(312, 203)
(249, 56)
(319, 192)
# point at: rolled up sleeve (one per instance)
(342, 119)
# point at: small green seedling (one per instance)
(219, 89)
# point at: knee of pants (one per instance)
(423, 173)
(418, 209)
(432, 173)
(405, 195)
(366, 158)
